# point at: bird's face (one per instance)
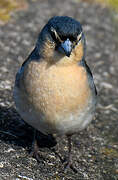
(62, 41)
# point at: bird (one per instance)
(54, 90)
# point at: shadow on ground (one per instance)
(14, 130)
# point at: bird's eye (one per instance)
(73, 39)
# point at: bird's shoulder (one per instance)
(27, 65)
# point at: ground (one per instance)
(94, 150)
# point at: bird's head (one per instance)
(61, 41)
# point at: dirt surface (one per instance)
(95, 150)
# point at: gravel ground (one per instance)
(95, 150)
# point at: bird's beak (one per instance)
(67, 47)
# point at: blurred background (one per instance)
(95, 150)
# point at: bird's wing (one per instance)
(90, 76)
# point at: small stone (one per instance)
(1, 164)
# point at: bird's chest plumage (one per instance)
(58, 94)
(61, 88)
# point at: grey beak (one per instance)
(67, 47)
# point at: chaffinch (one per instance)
(54, 89)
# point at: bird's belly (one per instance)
(58, 102)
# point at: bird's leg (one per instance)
(69, 158)
(35, 148)
(69, 149)
(68, 162)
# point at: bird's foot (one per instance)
(34, 152)
(68, 164)
(35, 155)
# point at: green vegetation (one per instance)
(8, 6)
(109, 152)
(111, 3)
